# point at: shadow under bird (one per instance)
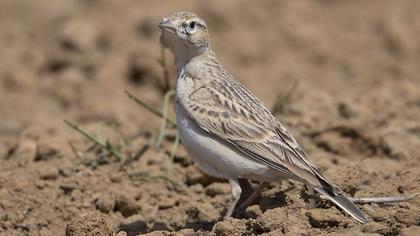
(225, 129)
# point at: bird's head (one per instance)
(185, 34)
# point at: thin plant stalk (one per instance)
(387, 199)
(173, 151)
(165, 117)
(164, 68)
(105, 146)
(76, 153)
(149, 108)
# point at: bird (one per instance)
(225, 129)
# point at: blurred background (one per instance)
(342, 75)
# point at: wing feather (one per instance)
(228, 110)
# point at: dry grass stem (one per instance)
(162, 63)
(387, 199)
(149, 108)
(105, 146)
(165, 117)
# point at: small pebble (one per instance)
(48, 173)
(105, 203)
(132, 224)
(126, 205)
(230, 227)
(217, 188)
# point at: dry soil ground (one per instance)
(355, 108)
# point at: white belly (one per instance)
(214, 156)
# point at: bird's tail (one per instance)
(343, 203)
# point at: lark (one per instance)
(228, 131)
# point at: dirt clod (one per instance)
(203, 212)
(217, 188)
(90, 224)
(45, 151)
(48, 173)
(326, 218)
(412, 230)
(105, 203)
(230, 227)
(253, 211)
(126, 205)
(134, 224)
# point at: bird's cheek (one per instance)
(182, 36)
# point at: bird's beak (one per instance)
(167, 25)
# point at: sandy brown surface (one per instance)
(355, 109)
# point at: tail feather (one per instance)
(343, 203)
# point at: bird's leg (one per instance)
(236, 194)
(247, 190)
(251, 197)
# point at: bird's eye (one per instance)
(192, 25)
